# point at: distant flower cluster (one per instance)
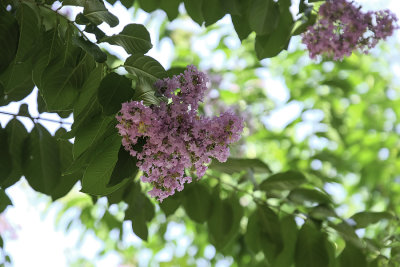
(342, 27)
(177, 138)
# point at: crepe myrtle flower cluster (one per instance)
(177, 137)
(342, 27)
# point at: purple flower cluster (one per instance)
(342, 27)
(177, 138)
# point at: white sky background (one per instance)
(38, 242)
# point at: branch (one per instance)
(35, 118)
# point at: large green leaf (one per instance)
(124, 168)
(5, 201)
(114, 90)
(224, 222)
(212, 11)
(283, 181)
(194, 9)
(263, 16)
(365, 218)
(5, 157)
(289, 233)
(97, 13)
(16, 137)
(91, 134)
(272, 44)
(236, 165)
(310, 247)
(8, 43)
(303, 195)
(134, 38)
(149, 5)
(171, 8)
(41, 163)
(352, 256)
(99, 170)
(90, 48)
(145, 67)
(171, 204)
(197, 202)
(146, 93)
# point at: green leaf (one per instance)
(272, 44)
(5, 157)
(212, 11)
(90, 48)
(347, 233)
(171, 8)
(283, 181)
(289, 234)
(302, 195)
(236, 165)
(194, 10)
(352, 256)
(149, 5)
(170, 204)
(253, 234)
(65, 154)
(124, 168)
(224, 222)
(91, 134)
(263, 16)
(146, 93)
(9, 42)
(16, 136)
(126, 3)
(91, 28)
(310, 247)
(139, 227)
(97, 13)
(73, 2)
(271, 239)
(114, 90)
(197, 202)
(321, 212)
(5, 201)
(41, 164)
(241, 25)
(145, 67)
(99, 170)
(134, 38)
(365, 218)
(28, 21)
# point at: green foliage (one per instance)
(275, 209)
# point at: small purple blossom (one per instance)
(177, 138)
(342, 28)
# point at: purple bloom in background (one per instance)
(342, 27)
(177, 138)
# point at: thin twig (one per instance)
(35, 118)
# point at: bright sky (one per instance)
(38, 242)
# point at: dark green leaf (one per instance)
(114, 90)
(212, 11)
(82, 19)
(73, 2)
(194, 10)
(236, 165)
(124, 168)
(134, 38)
(139, 227)
(91, 28)
(171, 8)
(5, 201)
(90, 48)
(263, 16)
(352, 256)
(126, 3)
(170, 204)
(5, 157)
(302, 195)
(197, 202)
(8, 43)
(91, 134)
(283, 181)
(272, 44)
(41, 164)
(289, 233)
(146, 93)
(365, 218)
(310, 247)
(97, 13)
(149, 5)
(16, 136)
(99, 170)
(145, 67)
